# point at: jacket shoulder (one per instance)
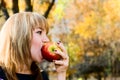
(2, 74)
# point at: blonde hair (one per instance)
(15, 39)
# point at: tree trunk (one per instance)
(15, 7)
(28, 6)
(85, 77)
(99, 76)
(4, 10)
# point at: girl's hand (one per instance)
(61, 65)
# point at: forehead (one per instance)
(39, 28)
(39, 23)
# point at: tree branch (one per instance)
(15, 7)
(49, 8)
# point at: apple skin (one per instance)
(48, 51)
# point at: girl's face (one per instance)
(39, 38)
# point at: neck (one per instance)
(23, 70)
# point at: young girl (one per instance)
(21, 39)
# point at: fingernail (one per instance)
(58, 42)
(55, 50)
(53, 60)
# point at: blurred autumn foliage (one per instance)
(90, 30)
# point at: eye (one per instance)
(39, 32)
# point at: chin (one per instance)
(38, 59)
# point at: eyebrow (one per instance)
(39, 28)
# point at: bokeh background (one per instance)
(89, 29)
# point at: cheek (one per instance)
(36, 45)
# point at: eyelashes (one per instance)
(39, 32)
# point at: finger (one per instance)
(60, 62)
(60, 44)
(63, 55)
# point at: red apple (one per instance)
(48, 51)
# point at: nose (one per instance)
(46, 39)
